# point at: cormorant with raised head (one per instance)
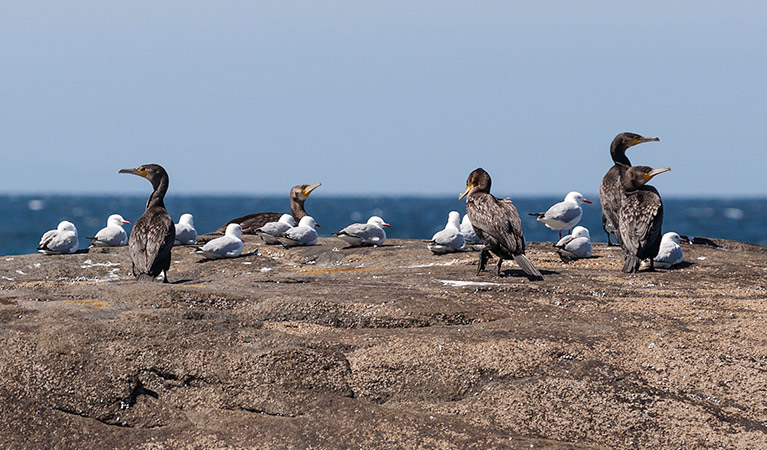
(610, 189)
(497, 224)
(153, 234)
(252, 222)
(640, 218)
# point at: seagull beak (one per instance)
(463, 194)
(385, 225)
(649, 175)
(139, 172)
(317, 225)
(125, 222)
(586, 201)
(308, 190)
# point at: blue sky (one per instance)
(394, 97)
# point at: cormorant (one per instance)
(497, 224)
(252, 222)
(154, 233)
(640, 217)
(610, 189)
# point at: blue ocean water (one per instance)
(26, 217)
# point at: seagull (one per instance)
(575, 246)
(565, 214)
(670, 252)
(269, 231)
(303, 234)
(450, 239)
(185, 232)
(227, 246)
(113, 235)
(364, 234)
(468, 232)
(61, 240)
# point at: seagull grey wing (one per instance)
(63, 243)
(564, 212)
(47, 238)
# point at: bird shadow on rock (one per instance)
(681, 265)
(520, 273)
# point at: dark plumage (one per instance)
(153, 234)
(252, 222)
(640, 217)
(497, 224)
(610, 189)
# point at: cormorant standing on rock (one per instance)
(497, 224)
(610, 189)
(153, 234)
(640, 218)
(252, 222)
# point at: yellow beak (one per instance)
(464, 193)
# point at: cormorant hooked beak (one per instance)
(137, 171)
(644, 139)
(649, 175)
(469, 187)
(308, 190)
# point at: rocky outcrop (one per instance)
(329, 347)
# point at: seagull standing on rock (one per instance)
(113, 235)
(450, 239)
(303, 234)
(227, 246)
(61, 240)
(364, 234)
(565, 214)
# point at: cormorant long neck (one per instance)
(297, 209)
(158, 196)
(618, 152)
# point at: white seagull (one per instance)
(450, 239)
(61, 240)
(227, 246)
(565, 214)
(670, 252)
(113, 235)
(271, 230)
(468, 231)
(575, 246)
(303, 234)
(364, 234)
(185, 232)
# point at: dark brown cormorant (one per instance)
(610, 189)
(252, 222)
(497, 224)
(153, 234)
(640, 218)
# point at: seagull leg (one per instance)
(560, 235)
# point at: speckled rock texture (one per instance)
(390, 347)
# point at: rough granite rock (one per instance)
(390, 347)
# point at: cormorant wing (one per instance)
(497, 223)
(638, 226)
